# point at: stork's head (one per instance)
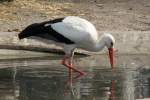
(109, 42)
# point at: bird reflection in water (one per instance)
(77, 89)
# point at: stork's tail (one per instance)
(20, 36)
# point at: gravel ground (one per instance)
(106, 15)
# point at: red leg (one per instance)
(70, 66)
(69, 69)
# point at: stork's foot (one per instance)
(78, 71)
(73, 69)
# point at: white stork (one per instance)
(72, 32)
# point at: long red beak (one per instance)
(111, 57)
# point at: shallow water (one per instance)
(46, 79)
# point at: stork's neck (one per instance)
(100, 44)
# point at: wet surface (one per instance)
(46, 79)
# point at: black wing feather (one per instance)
(46, 32)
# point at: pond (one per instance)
(46, 79)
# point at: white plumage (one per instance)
(79, 30)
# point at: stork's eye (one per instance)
(112, 44)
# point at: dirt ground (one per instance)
(106, 15)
